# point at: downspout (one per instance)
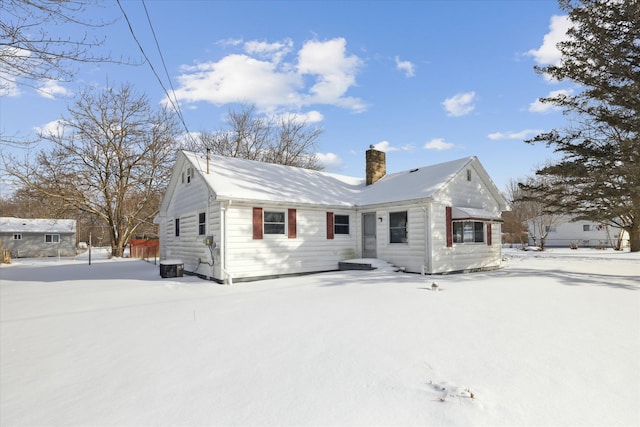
(226, 277)
(426, 267)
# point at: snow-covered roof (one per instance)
(38, 225)
(474, 213)
(241, 179)
(413, 184)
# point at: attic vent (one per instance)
(414, 170)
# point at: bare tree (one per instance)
(530, 201)
(286, 140)
(110, 159)
(515, 221)
(293, 144)
(35, 45)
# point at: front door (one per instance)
(369, 235)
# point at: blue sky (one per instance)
(425, 81)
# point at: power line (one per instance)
(164, 65)
(175, 105)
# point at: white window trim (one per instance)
(339, 235)
(484, 233)
(52, 238)
(389, 228)
(285, 233)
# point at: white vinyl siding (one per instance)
(310, 251)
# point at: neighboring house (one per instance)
(234, 218)
(588, 234)
(31, 238)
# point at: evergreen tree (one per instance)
(598, 175)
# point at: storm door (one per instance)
(369, 235)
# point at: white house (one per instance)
(39, 237)
(230, 218)
(583, 234)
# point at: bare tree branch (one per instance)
(111, 160)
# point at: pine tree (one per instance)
(598, 175)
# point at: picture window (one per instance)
(468, 232)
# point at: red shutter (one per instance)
(449, 227)
(257, 223)
(329, 225)
(489, 234)
(291, 213)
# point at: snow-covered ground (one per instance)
(551, 339)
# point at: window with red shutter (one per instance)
(449, 226)
(330, 229)
(257, 223)
(291, 214)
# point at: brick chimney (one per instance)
(376, 165)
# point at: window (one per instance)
(274, 222)
(52, 238)
(549, 229)
(176, 224)
(341, 224)
(398, 227)
(186, 179)
(468, 174)
(202, 224)
(468, 232)
(586, 227)
(17, 236)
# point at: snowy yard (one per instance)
(551, 339)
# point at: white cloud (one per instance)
(539, 107)
(53, 128)
(8, 88)
(322, 73)
(438, 144)
(229, 42)
(52, 89)
(8, 84)
(548, 53)
(405, 66)
(329, 160)
(335, 72)
(274, 51)
(238, 78)
(384, 146)
(309, 117)
(460, 104)
(387, 147)
(520, 135)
